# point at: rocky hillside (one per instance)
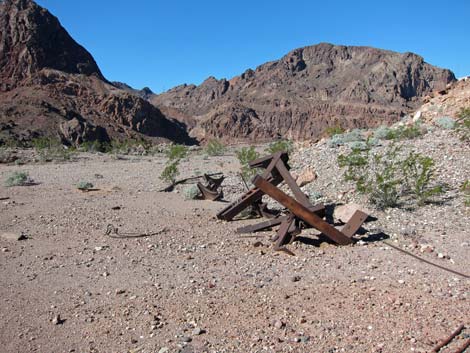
(306, 91)
(50, 85)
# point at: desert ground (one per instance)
(194, 285)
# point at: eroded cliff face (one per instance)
(46, 79)
(306, 91)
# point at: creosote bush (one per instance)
(176, 152)
(215, 148)
(170, 172)
(245, 155)
(465, 189)
(388, 176)
(18, 179)
(50, 148)
(446, 122)
(280, 146)
(334, 130)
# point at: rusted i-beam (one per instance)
(301, 211)
(446, 341)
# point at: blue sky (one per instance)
(161, 44)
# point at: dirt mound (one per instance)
(48, 79)
(308, 90)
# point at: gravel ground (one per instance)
(196, 286)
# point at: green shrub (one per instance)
(176, 152)
(95, 146)
(191, 192)
(41, 143)
(384, 133)
(215, 148)
(385, 177)
(245, 155)
(348, 137)
(170, 172)
(18, 179)
(419, 171)
(280, 146)
(85, 186)
(334, 130)
(446, 122)
(50, 149)
(409, 132)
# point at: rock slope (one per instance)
(306, 91)
(50, 85)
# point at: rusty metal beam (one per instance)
(208, 194)
(301, 211)
(261, 226)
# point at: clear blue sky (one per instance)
(161, 44)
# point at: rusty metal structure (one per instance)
(300, 213)
(213, 188)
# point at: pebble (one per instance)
(57, 320)
(186, 339)
(279, 324)
(296, 279)
(164, 350)
(198, 331)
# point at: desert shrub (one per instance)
(171, 171)
(245, 155)
(50, 148)
(334, 130)
(446, 122)
(191, 192)
(375, 174)
(348, 137)
(176, 152)
(215, 148)
(85, 185)
(384, 133)
(388, 176)
(409, 132)
(418, 171)
(280, 146)
(18, 179)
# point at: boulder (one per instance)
(306, 177)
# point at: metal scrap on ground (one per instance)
(300, 212)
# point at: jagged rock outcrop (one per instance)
(306, 91)
(50, 85)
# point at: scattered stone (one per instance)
(164, 350)
(13, 236)
(120, 291)
(5, 250)
(186, 339)
(345, 212)
(307, 176)
(304, 339)
(296, 278)
(57, 320)
(279, 324)
(257, 244)
(198, 331)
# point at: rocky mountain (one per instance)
(144, 93)
(50, 85)
(305, 92)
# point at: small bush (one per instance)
(446, 123)
(215, 148)
(176, 152)
(170, 172)
(348, 137)
(409, 132)
(41, 143)
(95, 146)
(385, 177)
(245, 155)
(85, 186)
(18, 179)
(335, 130)
(384, 133)
(419, 171)
(191, 192)
(280, 146)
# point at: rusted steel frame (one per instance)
(208, 194)
(447, 340)
(301, 211)
(261, 226)
(262, 210)
(299, 195)
(250, 197)
(213, 183)
(354, 223)
(264, 162)
(463, 347)
(283, 232)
